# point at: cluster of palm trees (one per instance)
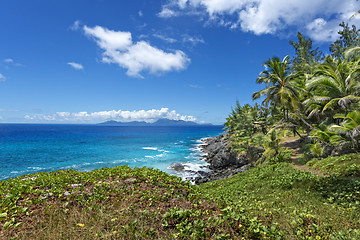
(314, 96)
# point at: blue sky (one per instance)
(95, 60)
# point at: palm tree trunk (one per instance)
(306, 123)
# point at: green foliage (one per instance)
(306, 58)
(246, 120)
(281, 86)
(345, 165)
(274, 153)
(317, 149)
(246, 125)
(344, 137)
(296, 204)
(349, 37)
(107, 203)
(334, 87)
(348, 132)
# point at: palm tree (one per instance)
(348, 132)
(335, 84)
(281, 86)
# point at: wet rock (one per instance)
(203, 174)
(224, 162)
(177, 167)
(221, 155)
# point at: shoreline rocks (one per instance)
(224, 162)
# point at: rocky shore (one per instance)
(223, 161)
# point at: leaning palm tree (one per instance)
(281, 88)
(335, 86)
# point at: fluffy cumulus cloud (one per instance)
(136, 57)
(117, 115)
(76, 66)
(319, 18)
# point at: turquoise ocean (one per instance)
(30, 148)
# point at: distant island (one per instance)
(159, 123)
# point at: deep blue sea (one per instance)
(29, 148)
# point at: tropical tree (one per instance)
(348, 132)
(246, 126)
(281, 86)
(306, 58)
(349, 38)
(248, 119)
(334, 87)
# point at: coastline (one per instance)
(223, 161)
(220, 161)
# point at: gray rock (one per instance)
(177, 167)
(224, 162)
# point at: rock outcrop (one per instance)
(220, 154)
(224, 162)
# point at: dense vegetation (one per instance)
(313, 96)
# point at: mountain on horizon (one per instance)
(159, 123)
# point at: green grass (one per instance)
(273, 201)
(112, 203)
(295, 204)
(345, 165)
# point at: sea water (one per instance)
(29, 148)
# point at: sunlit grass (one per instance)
(299, 203)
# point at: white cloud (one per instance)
(108, 39)
(75, 26)
(195, 86)
(76, 66)
(9, 60)
(117, 115)
(193, 40)
(271, 16)
(167, 13)
(321, 30)
(135, 57)
(165, 38)
(2, 78)
(140, 13)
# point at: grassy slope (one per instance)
(116, 203)
(267, 202)
(301, 205)
(346, 165)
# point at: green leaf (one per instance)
(19, 224)
(25, 209)
(3, 215)
(7, 225)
